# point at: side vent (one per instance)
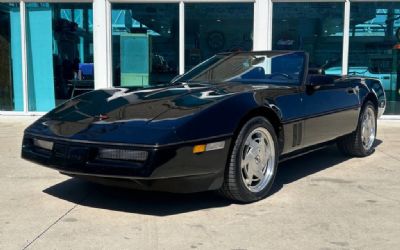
(297, 134)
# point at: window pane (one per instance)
(145, 43)
(216, 27)
(59, 52)
(11, 97)
(316, 28)
(373, 30)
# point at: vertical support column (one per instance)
(181, 37)
(346, 38)
(270, 20)
(24, 65)
(100, 44)
(261, 25)
(109, 44)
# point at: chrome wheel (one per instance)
(258, 160)
(368, 128)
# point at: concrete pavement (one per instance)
(320, 201)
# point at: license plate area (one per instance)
(70, 153)
(60, 151)
(78, 154)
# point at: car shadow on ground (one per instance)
(164, 204)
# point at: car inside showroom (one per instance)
(53, 51)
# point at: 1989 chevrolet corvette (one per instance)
(224, 125)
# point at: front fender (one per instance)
(220, 119)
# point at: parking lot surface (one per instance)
(322, 200)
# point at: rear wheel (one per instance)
(360, 143)
(252, 163)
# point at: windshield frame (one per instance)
(228, 55)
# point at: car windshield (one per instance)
(274, 67)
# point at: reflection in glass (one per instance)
(374, 46)
(59, 52)
(216, 27)
(145, 41)
(11, 98)
(278, 68)
(316, 28)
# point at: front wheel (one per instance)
(253, 162)
(360, 143)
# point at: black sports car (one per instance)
(224, 125)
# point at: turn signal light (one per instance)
(199, 149)
(208, 147)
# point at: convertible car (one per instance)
(224, 125)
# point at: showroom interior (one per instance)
(51, 51)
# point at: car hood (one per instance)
(149, 115)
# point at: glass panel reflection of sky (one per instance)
(118, 23)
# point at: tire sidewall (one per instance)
(236, 157)
(359, 130)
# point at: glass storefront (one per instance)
(375, 46)
(216, 27)
(145, 50)
(313, 27)
(145, 43)
(11, 97)
(59, 52)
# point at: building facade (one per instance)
(50, 51)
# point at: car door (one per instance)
(331, 109)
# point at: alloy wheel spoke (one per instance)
(257, 159)
(254, 147)
(249, 174)
(258, 172)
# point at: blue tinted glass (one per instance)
(211, 28)
(145, 43)
(10, 60)
(291, 64)
(251, 68)
(374, 47)
(59, 52)
(316, 28)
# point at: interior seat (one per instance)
(257, 73)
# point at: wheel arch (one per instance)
(270, 115)
(372, 98)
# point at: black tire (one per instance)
(234, 187)
(352, 144)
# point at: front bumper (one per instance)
(168, 168)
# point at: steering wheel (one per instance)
(280, 74)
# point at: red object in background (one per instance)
(102, 117)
